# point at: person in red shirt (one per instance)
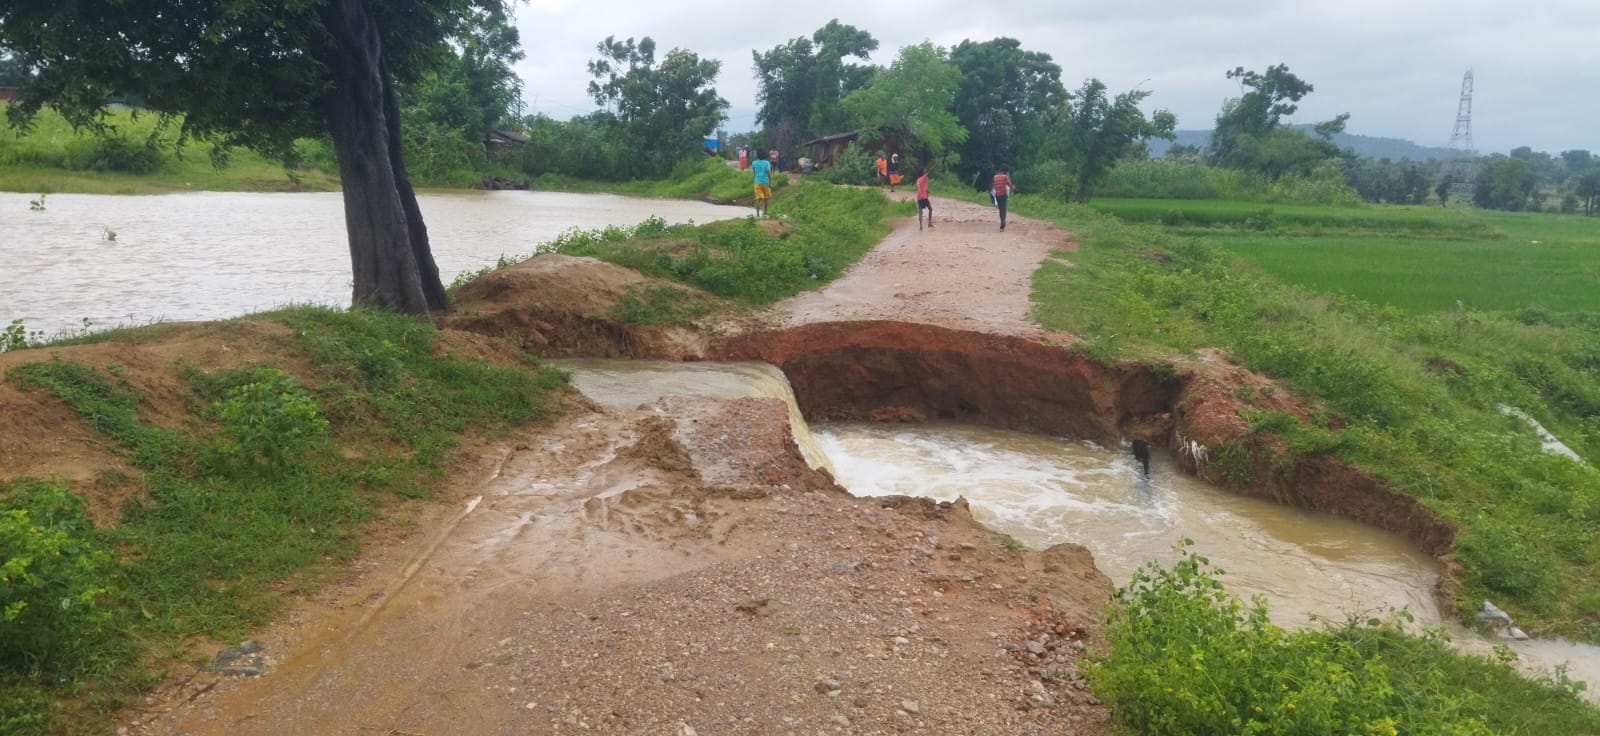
(922, 200)
(1003, 189)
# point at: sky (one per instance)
(1395, 65)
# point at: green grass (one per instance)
(52, 157)
(270, 482)
(1185, 657)
(1419, 393)
(817, 231)
(1419, 259)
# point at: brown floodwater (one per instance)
(1049, 490)
(212, 255)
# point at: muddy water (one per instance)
(628, 384)
(209, 255)
(1045, 490)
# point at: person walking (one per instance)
(881, 167)
(763, 174)
(744, 158)
(922, 200)
(1003, 189)
(894, 170)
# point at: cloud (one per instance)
(1396, 67)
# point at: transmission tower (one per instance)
(1461, 152)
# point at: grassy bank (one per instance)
(1419, 395)
(1414, 396)
(817, 230)
(699, 178)
(271, 477)
(136, 158)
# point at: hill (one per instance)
(1366, 146)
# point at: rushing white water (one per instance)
(1045, 490)
(211, 255)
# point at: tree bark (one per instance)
(421, 247)
(386, 270)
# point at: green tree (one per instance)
(11, 72)
(662, 110)
(1588, 190)
(801, 83)
(1250, 133)
(910, 101)
(1005, 99)
(1504, 184)
(1578, 162)
(449, 112)
(1097, 130)
(261, 74)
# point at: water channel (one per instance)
(1048, 490)
(212, 255)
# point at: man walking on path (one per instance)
(763, 171)
(1002, 191)
(923, 202)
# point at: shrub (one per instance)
(270, 422)
(855, 166)
(114, 153)
(52, 572)
(1186, 657)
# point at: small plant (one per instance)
(36, 205)
(109, 235)
(18, 337)
(270, 422)
(51, 575)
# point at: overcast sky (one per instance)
(1394, 65)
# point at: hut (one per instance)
(825, 151)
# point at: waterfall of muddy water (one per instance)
(625, 384)
(212, 255)
(1044, 490)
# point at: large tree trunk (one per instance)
(386, 269)
(421, 248)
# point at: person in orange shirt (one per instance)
(883, 170)
(1003, 189)
(922, 200)
(744, 159)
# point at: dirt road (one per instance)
(678, 569)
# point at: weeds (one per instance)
(272, 479)
(1186, 657)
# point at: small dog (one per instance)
(1141, 454)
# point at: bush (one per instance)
(1186, 657)
(113, 153)
(52, 573)
(270, 423)
(855, 166)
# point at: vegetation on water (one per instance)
(1418, 394)
(271, 480)
(1186, 657)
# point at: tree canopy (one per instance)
(262, 73)
(1250, 133)
(1096, 130)
(662, 109)
(911, 100)
(801, 83)
(1005, 97)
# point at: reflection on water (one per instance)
(210, 255)
(1044, 491)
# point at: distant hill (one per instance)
(1366, 146)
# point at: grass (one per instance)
(707, 178)
(817, 231)
(52, 157)
(1419, 259)
(1418, 392)
(1185, 657)
(271, 481)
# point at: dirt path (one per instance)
(964, 273)
(677, 569)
